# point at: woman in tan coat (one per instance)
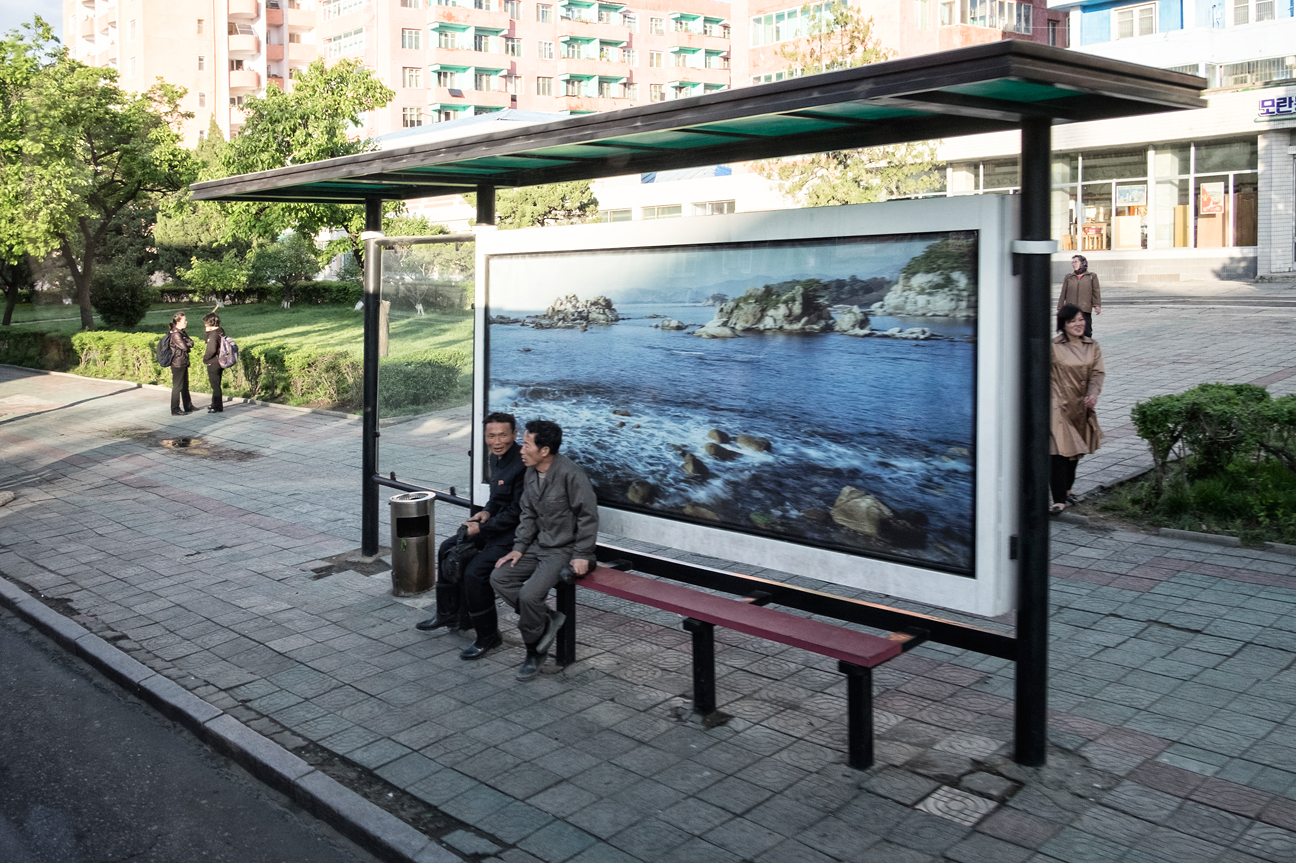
(1081, 288)
(1077, 382)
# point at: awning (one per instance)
(984, 88)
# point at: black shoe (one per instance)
(215, 410)
(531, 667)
(556, 620)
(189, 410)
(177, 413)
(449, 620)
(481, 647)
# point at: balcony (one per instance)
(274, 52)
(495, 19)
(585, 104)
(106, 58)
(703, 76)
(592, 68)
(461, 57)
(237, 117)
(87, 29)
(275, 81)
(274, 17)
(241, 44)
(593, 30)
(244, 79)
(105, 21)
(697, 40)
(300, 17)
(246, 10)
(302, 52)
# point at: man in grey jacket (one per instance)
(559, 526)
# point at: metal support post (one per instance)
(566, 651)
(485, 205)
(859, 714)
(369, 460)
(1031, 715)
(704, 690)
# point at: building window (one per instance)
(202, 100)
(654, 59)
(346, 43)
(544, 13)
(447, 39)
(605, 90)
(544, 86)
(632, 91)
(236, 101)
(572, 87)
(1264, 10)
(202, 63)
(1053, 32)
(1135, 21)
(630, 21)
(411, 38)
(236, 65)
(513, 8)
(481, 42)
(337, 8)
(571, 51)
(671, 212)
(446, 78)
(656, 93)
(410, 4)
(412, 76)
(512, 47)
(1247, 11)
(511, 83)
(483, 81)
(294, 38)
(445, 116)
(713, 208)
(630, 56)
(484, 5)
(614, 215)
(200, 26)
(411, 117)
(130, 30)
(657, 26)
(546, 50)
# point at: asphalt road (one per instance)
(88, 774)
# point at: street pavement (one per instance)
(1173, 691)
(92, 775)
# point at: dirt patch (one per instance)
(353, 561)
(189, 446)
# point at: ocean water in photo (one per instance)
(890, 417)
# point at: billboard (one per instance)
(801, 391)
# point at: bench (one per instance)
(857, 653)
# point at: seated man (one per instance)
(559, 526)
(491, 530)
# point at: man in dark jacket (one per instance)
(211, 359)
(180, 347)
(491, 530)
(559, 527)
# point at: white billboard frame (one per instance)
(992, 588)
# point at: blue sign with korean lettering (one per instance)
(1279, 106)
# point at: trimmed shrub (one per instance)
(121, 294)
(340, 293)
(420, 381)
(51, 351)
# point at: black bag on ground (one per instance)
(453, 562)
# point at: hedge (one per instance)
(270, 373)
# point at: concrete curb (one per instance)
(1194, 536)
(370, 826)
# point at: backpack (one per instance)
(456, 558)
(164, 352)
(228, 355)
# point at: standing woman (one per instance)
(211, 359)
(181, 344)
(1080, 288)
(1077, 382)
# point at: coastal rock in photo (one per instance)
(716, 331)
(718, 436)
(906, 529)
(695, 467)
(941, 282)
(503, 319)
(571, 312)
(671, 324)
(860, 511)
(760, 444)
(818, 516)
(800, 307)
(854, 322)
(641, 492)
(719, 453)
(620, 412)
(696, 511)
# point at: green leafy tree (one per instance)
(121, 293)
(14, 276)
(543, 206)
(841, 37)
(315, 121)
(285, 264)
(88, 151)
(188, 229)
(225, 278)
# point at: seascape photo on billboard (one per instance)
(817, 391)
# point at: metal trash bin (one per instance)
(411, 545)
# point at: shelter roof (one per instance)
(984, 88)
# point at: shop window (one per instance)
(1134, 21)
(1227, 156)
(1000, 174)
(1115, 165)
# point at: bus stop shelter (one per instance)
(1010, 85)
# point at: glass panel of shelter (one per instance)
(425, 366)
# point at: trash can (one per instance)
(411, 546)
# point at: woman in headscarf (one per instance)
(1077, 381)
(1080, 288)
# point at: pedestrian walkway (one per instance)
(1173, 691)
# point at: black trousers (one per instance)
(214, 373)
(1088, 324)
(180, 389)
(1062, 471)
(473, 599)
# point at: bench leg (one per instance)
(566, 649)
(704, 691)
(859, 714)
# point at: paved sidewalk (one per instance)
(1173, 688)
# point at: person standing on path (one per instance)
(211, 359)
(1077, 381)
(181, 344)
(1080, 288)
(558, 527)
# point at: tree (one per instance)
(120, 293)
(315, 121)
(543, 206)
(15, 276)
(187, 230)
(838, 36)
(224, 279)
(87, 151)
(285, 264)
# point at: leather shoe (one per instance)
(481, 647)
(531, 666)
(451, 620)
(556, 620)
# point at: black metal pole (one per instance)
(485, 205)
(1031, 730)
(369, 488)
